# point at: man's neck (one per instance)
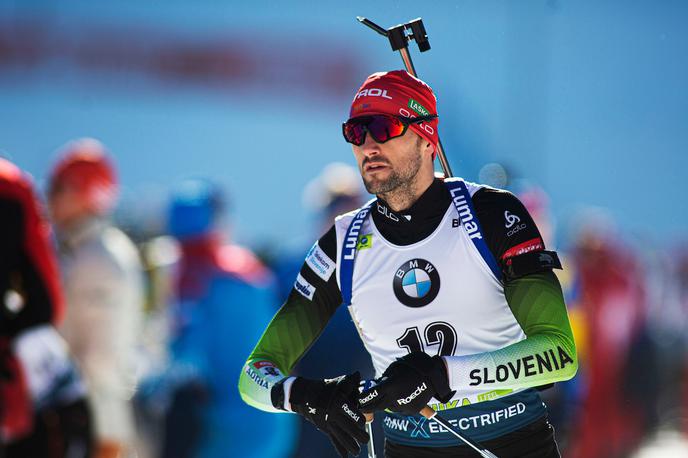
(73, 224)
(402, 197)
(77, 230)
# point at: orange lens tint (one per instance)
(381, 128)
(354, 132)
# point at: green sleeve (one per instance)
(546, 355)
(288, 336)
(295, 327)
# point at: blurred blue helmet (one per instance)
(194, 209)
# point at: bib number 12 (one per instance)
(439, 333)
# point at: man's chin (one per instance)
(376, 186)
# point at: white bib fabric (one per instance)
(438, 295)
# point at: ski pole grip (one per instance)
(369, 417)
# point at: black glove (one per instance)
(408, 384)
(332, 406)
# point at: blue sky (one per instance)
(587, 99)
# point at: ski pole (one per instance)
(399, 36)
(364, 385)
(369, 430)
(430, 414)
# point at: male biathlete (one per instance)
(450, 288)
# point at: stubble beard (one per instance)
(400, 182)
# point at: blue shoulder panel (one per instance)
(464, 206)
(346, 266)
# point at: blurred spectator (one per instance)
(102, 278)
(562, 398)
(629, 325)
(667, 444)
(617, 365)
(224, 298)
(43, 412)
(336, 190)
(681, 285)
(160, 256)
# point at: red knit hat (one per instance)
(85, 167)
(400, 94)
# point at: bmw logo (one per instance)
(416, 283)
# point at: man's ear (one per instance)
(428, 147)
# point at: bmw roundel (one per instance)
(416, 283)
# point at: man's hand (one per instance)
(108, 449)
(408, 384)
(332, 406)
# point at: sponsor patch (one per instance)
(537, 364)
(267, 368)
(302, 286)
(482, 420)
(419, 390)
(319, 262)
(387, 213)
(350, 412)
(490, 395)
(399, 424)
(373, 92)
(262, 364)
(548, 260)
(510, 219)
(257, 379)
(535, 244)
(465, 213)
(418, 427)
(372, 395)
(418, 108)
(416, 283)
(516, 229)
(364, 241)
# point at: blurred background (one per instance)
(579, 107)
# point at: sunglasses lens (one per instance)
(354, 132)
(381, 127)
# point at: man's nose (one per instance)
(370, 147)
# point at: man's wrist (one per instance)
(287, 392)
(279, 394)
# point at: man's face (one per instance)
(386, 166)
(66, 205)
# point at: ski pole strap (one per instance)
(346, 266)
(469, 221)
